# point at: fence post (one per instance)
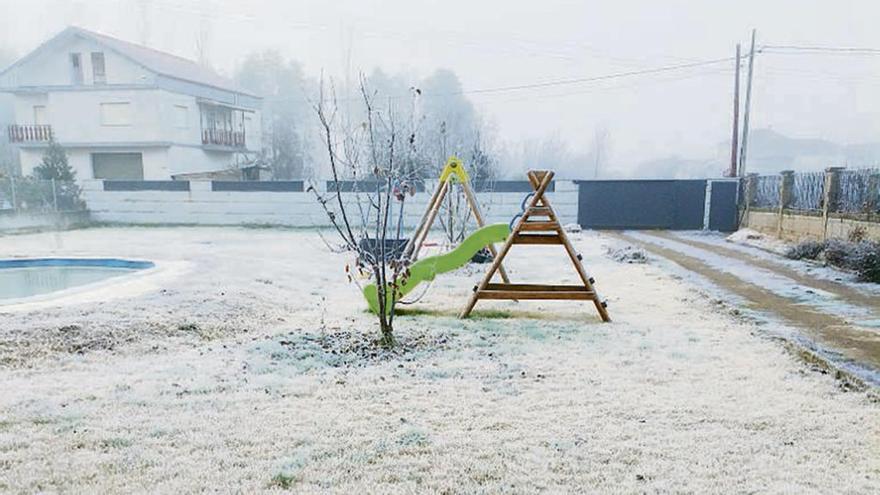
(751, 193)
(785, 187)
(832, 193)
(54, 196)
(873, 203)
(12, 188)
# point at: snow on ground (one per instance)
(754, 238)
(774, 250)
(778, 284)
(233, 376)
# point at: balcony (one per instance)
(223, 138)
(30, 133)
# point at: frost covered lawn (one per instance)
(246, 366)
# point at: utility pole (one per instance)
(745, 140)
(734, 143)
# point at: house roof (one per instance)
(156, 61)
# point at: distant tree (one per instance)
(600, 150)
(6, 58)
(451, 124)
(8, 161)
(287, 119)
(55, 164)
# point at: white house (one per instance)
(125, 111)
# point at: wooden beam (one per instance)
(539, 227)
(539, 211)
(536, 239)
(572, 254)
(538, 287)
(548, 295)
(496, 263)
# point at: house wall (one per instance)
(74, 112)
(80, 159)
(201, 205)
(52, 67)
(153, 125)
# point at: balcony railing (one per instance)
(220, 137)
(29, 133)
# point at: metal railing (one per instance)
(29, 195)
(850, 192)
(808, 191)
(29, 133)
(767, 188)
(221, 137)
(859, 191)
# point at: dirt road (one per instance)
(838, 320)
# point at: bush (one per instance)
(866, 261)
(862, 257)
(839, 253)
(806, 250)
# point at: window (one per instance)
(76, 71)
(181, 116)
(118, 166)
(39, 114)
(116, 114)
(99, 75)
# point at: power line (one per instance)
(820, 49)
(605, 77)
(717, 72)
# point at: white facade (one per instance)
(134, 110)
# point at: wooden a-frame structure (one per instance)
(454, 171)
(537, 225)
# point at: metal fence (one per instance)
(859, 191)
(25, 194)
(767, 191)
(853, 192)
(808, 191)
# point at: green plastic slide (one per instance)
(428, 268)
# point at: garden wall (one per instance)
(14, 222)
(282, 204)
(816, 205)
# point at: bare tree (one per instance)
(373, 150)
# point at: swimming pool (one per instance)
(21, 278)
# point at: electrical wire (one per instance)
(604, 77)
(796, 49)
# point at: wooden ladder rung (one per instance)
(539, 227)
(537, 239)
(538, 287)
(540, 211)
(539, 294)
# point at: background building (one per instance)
(125, 111)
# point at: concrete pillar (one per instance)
(832, 193)
(873, 195)
(785, 187)
(751, 193)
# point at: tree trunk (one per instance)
(387, 339)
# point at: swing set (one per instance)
(537, 224)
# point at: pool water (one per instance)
(25, 278)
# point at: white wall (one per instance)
(52, 67)
(74, 112)
(80, 159)
(200, 205)
(75, 117)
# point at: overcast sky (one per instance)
(500, 43)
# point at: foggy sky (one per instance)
(501, 43)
